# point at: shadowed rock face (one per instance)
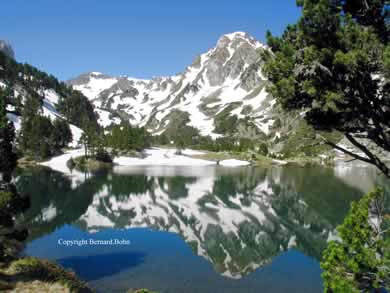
(230, 73)
(6, 48)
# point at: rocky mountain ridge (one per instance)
(222, 93)
(221, 88)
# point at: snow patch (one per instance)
(15, 120)
(162, 157)
(233, 163)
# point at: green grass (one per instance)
(35, 275)
(6, 199)
(81, 163)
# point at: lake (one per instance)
(182, 229)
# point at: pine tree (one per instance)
(7, 133)
(11, 203)
(61, 134)
(126, 137)
(360, 262)
(31, 109)
(85, 140)
(334, 65)
(40, 137)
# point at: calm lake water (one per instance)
(207, 229)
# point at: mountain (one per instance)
(223, 92)
(21, 83)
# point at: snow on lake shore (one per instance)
(233, 163)
(164, 157)
(59, 164)
(154, 157)
(279, 162)
(189, 152)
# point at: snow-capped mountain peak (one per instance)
(224, 81)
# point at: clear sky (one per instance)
(139, 38)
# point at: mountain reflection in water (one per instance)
(238, 219)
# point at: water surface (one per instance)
(206, 229)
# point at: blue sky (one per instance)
(139, 38)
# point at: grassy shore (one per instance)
(260, 160)
(36, 275)
(82, 163)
